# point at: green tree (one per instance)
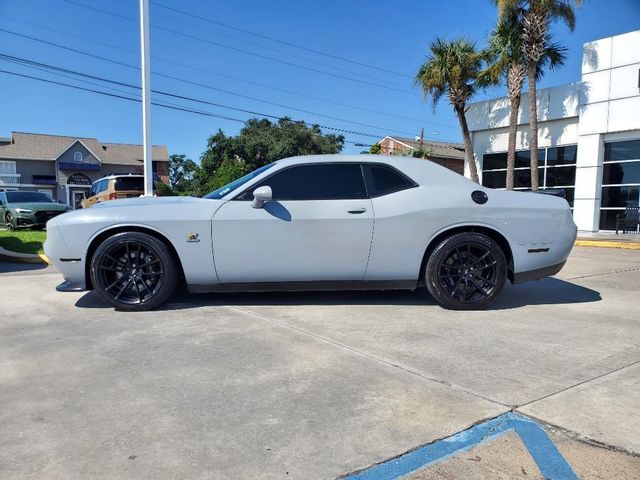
(535, 18)
(260, 142)
(375, 149)
(181, 173)
(452, 68)
(507, 64)
(228, 170)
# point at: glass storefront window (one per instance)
(494, 161)
(616, 151)
(523, 158)
(608, 219)
(620, 196)
(561, 160)
(620, 181)
(494, 179)
(567, 155)
(561, 176)
(621, 173)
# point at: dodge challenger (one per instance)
(326, 222)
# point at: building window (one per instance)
(620, 181)
(77, 156)
(8, 167)
(47, 192)
(557, 169)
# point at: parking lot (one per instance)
(311, 385)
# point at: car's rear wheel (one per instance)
(133, 271)
(8, 221)
(466, 271)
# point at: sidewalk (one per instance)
(609, 239)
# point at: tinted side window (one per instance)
(382, 180)
(317, 182)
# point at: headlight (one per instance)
(23, 210)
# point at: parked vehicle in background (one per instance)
(22, 209)
(114, 187)
(317, 222)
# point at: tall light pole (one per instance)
(147, 146)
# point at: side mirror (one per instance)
(261, 196)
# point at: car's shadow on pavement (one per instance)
(11, 267)
(547, 291)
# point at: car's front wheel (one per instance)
(466, 271)
(8, 221)
(133, 271)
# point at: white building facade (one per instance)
(589, 135)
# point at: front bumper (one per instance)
(35, 219)
(71, 264)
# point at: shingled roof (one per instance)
(436, 149)
(37, 146)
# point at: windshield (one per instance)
(222, 191)
(27, 197)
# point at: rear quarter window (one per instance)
(126, 183)
(384, 179)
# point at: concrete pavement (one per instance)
(306, 385)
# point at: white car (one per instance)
(326, 222)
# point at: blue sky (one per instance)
(391, 35)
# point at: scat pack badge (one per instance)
(193, 237)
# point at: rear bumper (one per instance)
(537, 274)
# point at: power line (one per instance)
(175, 106)
(231, 77)
(249, 42)
(246, 52)
(135, 67)
(282, 42)
(160, 92)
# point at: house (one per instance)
(64, 167)
(588, 138)
(450, 155)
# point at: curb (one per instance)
(608, 244)
(17, 257)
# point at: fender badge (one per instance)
(193, 237)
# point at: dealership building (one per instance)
(589, 135)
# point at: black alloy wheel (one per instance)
(466, 271)
(8, 221)
(133, 271)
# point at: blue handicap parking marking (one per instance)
(550, 462)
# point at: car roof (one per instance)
(419, 169)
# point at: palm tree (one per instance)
(506, 61)
(535, 17)
(452, 68)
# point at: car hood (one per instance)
(38, 206)
(149, 201)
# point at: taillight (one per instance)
(113, 196)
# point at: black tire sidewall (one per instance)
(167, 260)
(439, 254)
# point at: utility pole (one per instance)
(146, 98)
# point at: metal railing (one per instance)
(9, 178)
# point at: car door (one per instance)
(317, 227)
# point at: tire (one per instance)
(8, 222)
(121, 280)
(466, 271)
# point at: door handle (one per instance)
(357, 211)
